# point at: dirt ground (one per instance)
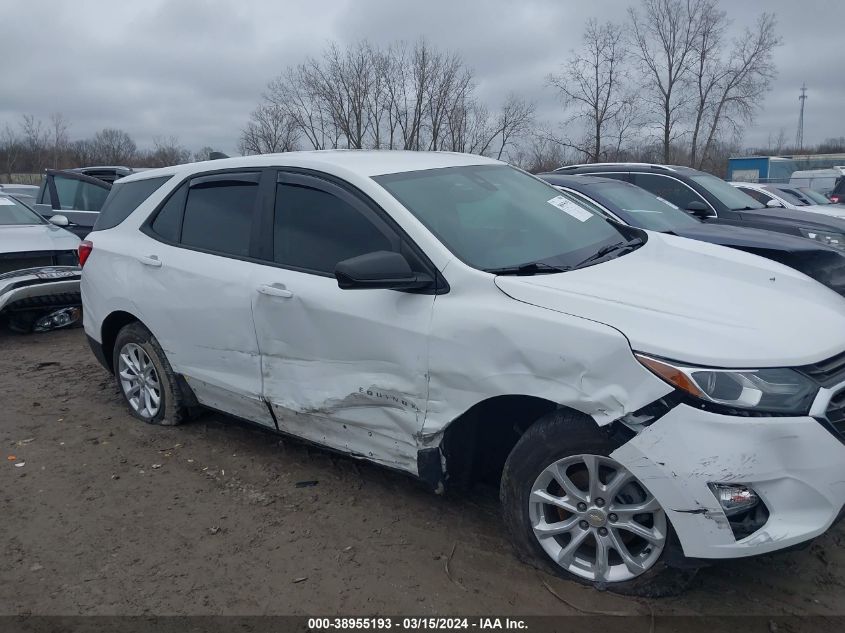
(102, 514)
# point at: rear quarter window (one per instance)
(124, 198)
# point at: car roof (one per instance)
(576, 180)
(359, 162)
(645, 167)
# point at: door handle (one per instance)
(150, 260)
(276, 290)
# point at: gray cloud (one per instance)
(195, 69)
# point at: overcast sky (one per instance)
(195, 68)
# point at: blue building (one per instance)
(778, 168)
(761, 168)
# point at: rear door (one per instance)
(344, 368)
(193, 275)
(76, 196)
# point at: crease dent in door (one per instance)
(353, 377)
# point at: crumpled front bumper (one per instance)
(42, 287)
(795, 464)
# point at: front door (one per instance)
(344, 368)
(76, 196)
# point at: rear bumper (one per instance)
(52, 286)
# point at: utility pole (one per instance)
(799, 137)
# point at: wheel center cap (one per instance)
(596, 517)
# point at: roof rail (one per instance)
(652, 165)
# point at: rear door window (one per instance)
(219, 212)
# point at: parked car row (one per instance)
(789, 197)
(624, 202)
(645, 402)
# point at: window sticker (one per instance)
(570, 208)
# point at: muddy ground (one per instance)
(102, 514)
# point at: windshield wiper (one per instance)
(618, 248)
(531, 268)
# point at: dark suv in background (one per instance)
(715, 201)
(78, 194)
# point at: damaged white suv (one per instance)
(641, 399)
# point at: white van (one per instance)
(637, 397)
(821, 180)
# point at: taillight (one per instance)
(834, 199)
(84, 250)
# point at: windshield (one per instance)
(13, 212)
(727, 194)
(644, 209)
(495, 216)
(815, 196)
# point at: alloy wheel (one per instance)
(139, 380)
(595, 520)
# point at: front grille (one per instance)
(35, 259)
(827, 372)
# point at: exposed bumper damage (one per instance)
(47, 291)
(793, 463)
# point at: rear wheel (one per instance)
(568, 503)
(149, 387)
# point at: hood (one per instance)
(751, 240)
(698, 303)
(36, 237)
(791, 219)
(823, 263)
(833, 210)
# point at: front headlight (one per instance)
(837, 240)
(774, 390)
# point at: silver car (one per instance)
(39, 272)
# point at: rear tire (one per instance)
(146, 381)
(617, 543)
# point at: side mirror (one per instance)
(381, 269)
(699, 209)
(774, 204)
(59, 220)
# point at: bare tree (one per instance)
(166, 151)
(268, 131)
(592, 81)
(114, 147)
(664, 38)
(363, 96)
(10, 150)
(541, 155)
(58, 138)
(514, 120)
(34, 140)
(203, 153)
(730, 88)
(83, 152)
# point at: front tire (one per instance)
(145, 379)
(567, 503)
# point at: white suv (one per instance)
(638, 397)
